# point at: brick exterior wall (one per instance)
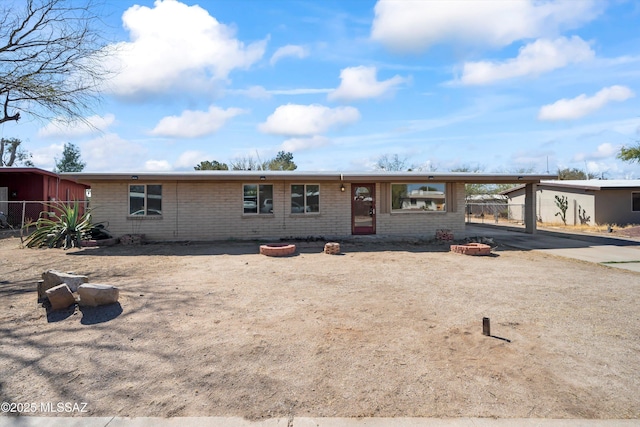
(214, 211)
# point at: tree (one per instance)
(70, 161)
(51, 59)
(473, 189)
(283, 161)
(574, 173)
(629, 154)
(563, 204)
(12, 154)
(392, 163)
(211, 166)
(247, 163)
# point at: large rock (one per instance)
(94, 294)
(60, 297)
(54, 278)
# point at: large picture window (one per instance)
(145, 200)
(257, 199)
(305, 198)
(418, 197)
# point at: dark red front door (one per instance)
(363, 208)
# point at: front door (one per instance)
(363, 208)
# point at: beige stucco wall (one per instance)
(615, 207)
(581, 206)
(214, 211)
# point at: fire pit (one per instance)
(471, 249)
(277, 249)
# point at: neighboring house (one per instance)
(590, 202)
(33, 184)
(218, 205)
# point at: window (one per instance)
(145, 200)
(257, 199)
(305, 198)
(418, 197)
(635, 202)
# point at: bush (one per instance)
(63, 227)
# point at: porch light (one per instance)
(134, 176)
(262, 178)
(342, 187)
(430, 176)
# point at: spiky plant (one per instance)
(63, 227)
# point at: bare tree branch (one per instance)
(51, 59)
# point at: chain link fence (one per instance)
(14, 216)
(494, 212)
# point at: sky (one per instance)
(498, 86)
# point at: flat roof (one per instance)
(89, 177)
(587, 184)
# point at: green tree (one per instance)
(211, 166)
(574, 173)
(11, 154)
(51, 59)
(283, 161)
(473, 189)
(70, 161)
(629, 154)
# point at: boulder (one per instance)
(60, 297)
(53, 278)
(93, 294)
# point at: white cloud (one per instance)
(63, 129)
(189, 159)
(157, 166)
(535, 58)
(111, 153)
(602, 152)
(289, 50)
(361, 83)
(413, 26)
(580, 106)
(259, 92)
(300, 144)
(303, 120)
(194, 124)
(176, 46)
(45, 157)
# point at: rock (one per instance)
(94, 294)
(53, 278)
(60, 297)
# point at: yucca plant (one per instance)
(63, 227)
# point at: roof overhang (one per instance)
(400, 177)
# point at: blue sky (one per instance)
(498, 85)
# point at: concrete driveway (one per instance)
(610, 251)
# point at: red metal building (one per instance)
(33, 184)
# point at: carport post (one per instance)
(530, 208)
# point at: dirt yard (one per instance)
(382, 330)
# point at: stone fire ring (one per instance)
(277, 249)
(472, 249)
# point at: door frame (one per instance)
(363, 230)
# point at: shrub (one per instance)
(63, 227)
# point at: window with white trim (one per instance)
(635, 202)
(305, 198)
(145, 199)
(418, 197)
(257, 199)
